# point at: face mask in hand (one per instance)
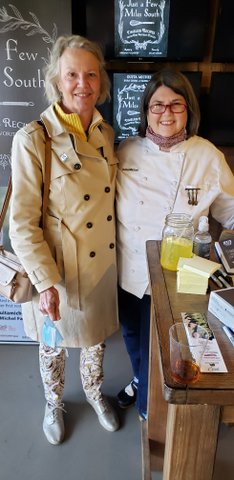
(50, 334)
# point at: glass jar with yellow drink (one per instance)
(177, 240)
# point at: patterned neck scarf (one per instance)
(165, 143)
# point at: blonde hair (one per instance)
(52, 69)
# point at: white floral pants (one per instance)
(52, 367)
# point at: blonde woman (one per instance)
(72, 262)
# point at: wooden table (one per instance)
(183, 420)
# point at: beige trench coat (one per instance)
(76, 252)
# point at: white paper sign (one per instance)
(212, 360)
(11, 323)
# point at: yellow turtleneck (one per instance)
(73, 123)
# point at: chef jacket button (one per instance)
(107, 189)
(89, 225)
(141, 202)
(112, 245)
(109, 218)
(92, 254)
(86, 197)
(77, 166)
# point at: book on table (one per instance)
(225, 250)
(221, 304)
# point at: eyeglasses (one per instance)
(173, 107)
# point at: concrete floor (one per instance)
(88, 452)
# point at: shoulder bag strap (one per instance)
(46, 185)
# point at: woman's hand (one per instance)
(49, 303)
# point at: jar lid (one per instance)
(179, 218)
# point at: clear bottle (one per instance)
(202, 238)
(177, 240)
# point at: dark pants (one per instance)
(134, 314)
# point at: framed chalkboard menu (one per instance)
(127, 92)
(141, 28)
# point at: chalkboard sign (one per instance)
(27, 33)
(28, 30)
(127, 93)
(184, 27)
(141, 28)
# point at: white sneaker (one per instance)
(106, 415)
(53, 424)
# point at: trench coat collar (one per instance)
(55, 128)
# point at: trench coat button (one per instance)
(89, 225)
(109, 218)
(92, 254)
(86, 197)
(112, 245)
(107, 189)
(77, 166)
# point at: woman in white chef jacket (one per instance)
(158, 169)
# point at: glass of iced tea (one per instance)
(186, 352)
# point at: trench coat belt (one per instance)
(70, 258)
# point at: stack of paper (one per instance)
(193, 274)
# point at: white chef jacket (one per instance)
(151, 184)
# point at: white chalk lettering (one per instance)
(12, 123)
(11, 46)
(35, 82)
(9, 49)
